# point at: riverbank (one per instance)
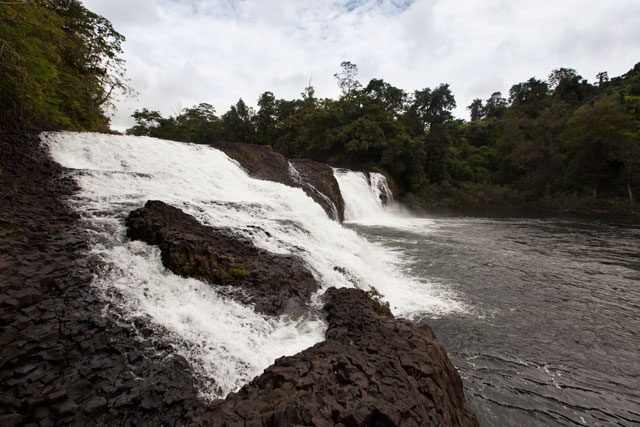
(494, 199)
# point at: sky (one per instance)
(183, 52)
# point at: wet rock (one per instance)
(316, 179)
(273, 283)
(11, 420)
(406, 380)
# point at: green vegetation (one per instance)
(59, 64)
(204, 268)
(561, 143)
(378, 305)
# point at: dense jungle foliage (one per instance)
(59, 64)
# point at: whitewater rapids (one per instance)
(227, 343)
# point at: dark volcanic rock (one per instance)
(61, 361)
(260, 161)
(318, 178)
(274, 283)
(371, 370)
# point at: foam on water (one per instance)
(227, 343)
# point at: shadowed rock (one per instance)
(274, 283)
(371, 370)
(316, 179)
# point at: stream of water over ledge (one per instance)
(552, 335)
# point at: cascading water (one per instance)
(226, 343)
(368, 201)
(364, 194)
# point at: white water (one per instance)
(363, 197)
(369, 202)
(226, 343)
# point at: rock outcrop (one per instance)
(316, 179)
(273, 283)
(371, 370)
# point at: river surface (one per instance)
(551, 331)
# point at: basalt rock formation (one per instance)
(371, 370)
(316, 179)
(273, 283)
(62, 362)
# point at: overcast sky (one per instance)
(183, 52)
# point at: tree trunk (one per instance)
(595, 190)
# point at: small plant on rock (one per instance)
(379, 306)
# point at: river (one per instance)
(551, 330)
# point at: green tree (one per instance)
(434, 106)
(146, 122)
(347, 78)
(535, 147)
(265, 119)
(600, 133)
(60, 63)
(237, 123)
(495, 107)
(568, 86)
(475, 110)
(529, 96)
(391, 98)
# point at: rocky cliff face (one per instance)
(316, 179)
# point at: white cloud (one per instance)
(182, 52)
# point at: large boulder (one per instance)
(274, 283)
(372, 370)
(316, 179)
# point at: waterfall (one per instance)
(364, 194)
(225, 342)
